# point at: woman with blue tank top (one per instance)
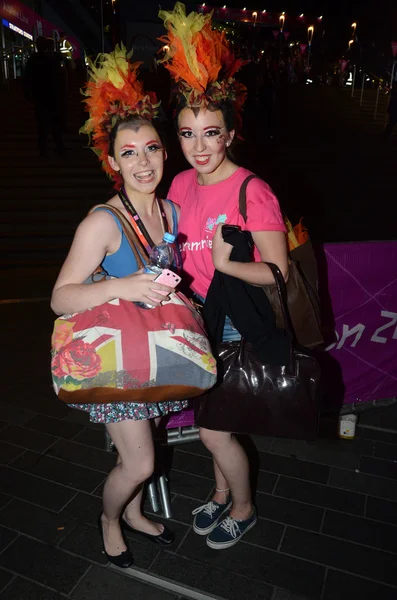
(132, 152)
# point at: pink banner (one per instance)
(343, 65)
(303, 48)
(26, 19)
(394, 48)
(359, 296)
(286, 35)
(275, 34)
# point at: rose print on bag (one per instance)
(76, 361)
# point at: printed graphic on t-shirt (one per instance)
(211, 222)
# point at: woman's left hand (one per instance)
(221, 250)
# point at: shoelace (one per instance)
(207, 509)
(231, 526)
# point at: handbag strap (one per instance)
(282, 294)
(132, 238)
(242, 198)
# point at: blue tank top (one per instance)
(123, 262)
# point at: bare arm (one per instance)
(94, 236)
(272, 248)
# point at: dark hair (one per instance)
(135, 122)
(226, 107)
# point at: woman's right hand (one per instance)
(141, 287)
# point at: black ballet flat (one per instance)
(123, 560)
(165, 538)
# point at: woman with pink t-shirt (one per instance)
(208, 196)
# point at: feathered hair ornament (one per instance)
(114, 94)
(200, 59)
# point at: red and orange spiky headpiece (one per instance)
(113, 94)
(200, 59)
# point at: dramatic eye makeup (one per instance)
(151, 147)
(211, 131)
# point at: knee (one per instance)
(214, 440)
(139, 472)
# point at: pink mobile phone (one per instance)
(169, 278)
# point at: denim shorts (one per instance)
(230, 333)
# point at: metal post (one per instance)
(102, 32)
(362, 88)
(153, 495)
(377, 102)
(165, 496)
(354, 80)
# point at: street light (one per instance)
(255, 15)
(354, 27)
(282, 21)
(310, 32)
(350, 43)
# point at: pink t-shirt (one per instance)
(203, 207)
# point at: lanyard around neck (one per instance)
(138, 224)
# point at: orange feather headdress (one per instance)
(200, 59)
(113, 94)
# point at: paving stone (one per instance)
(81, 417)
(106, 585)
(44, 564)
(33, 489)
(84, 508)
(293, 468)
(60, 471)
(365, 484)
(3, 424)
(261, 442)
(15, 415)
(376, 435)
(320, 495)
(5, 579)
(84, 540)
(6, 537)
(91, 437)
(34, 521)
(334, 453)
(83, 455)
(359, 560)
(57, 427)
(387, 451)
(260, 564)
(8, 453)
(194, 464)
(4, 499)
(384, 417)
(360, 530)
(27, 438)
(381, 510)
(380, 467)
(209, 579)
(341, 586)
(289, 512)
(190, 485)
(21, 589)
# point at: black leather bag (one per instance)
(250, 397)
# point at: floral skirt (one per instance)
(123, 411)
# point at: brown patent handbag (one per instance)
(255, 398)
